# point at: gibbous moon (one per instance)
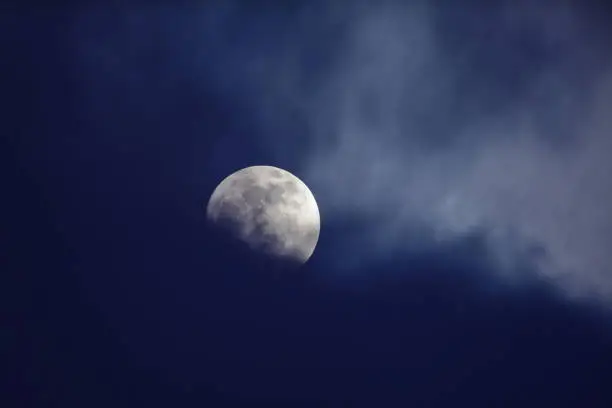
(270, 210)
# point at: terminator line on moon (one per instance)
(270, 210)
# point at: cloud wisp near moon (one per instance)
(507, 134)
(422, 117)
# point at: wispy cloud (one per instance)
(428, 119)
(435, 153)
(503, 130)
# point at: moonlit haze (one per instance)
(359, 203)
(394, 137)
(428, 131)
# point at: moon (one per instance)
(270, 210)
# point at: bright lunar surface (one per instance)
(270, 210)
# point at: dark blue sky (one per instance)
(460, 156)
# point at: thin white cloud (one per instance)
(538, 195)
(413, 118)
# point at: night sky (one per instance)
(460, 154)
